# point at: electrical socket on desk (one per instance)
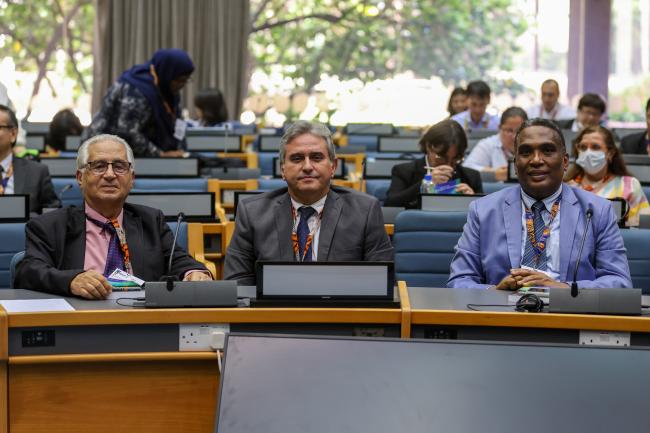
(201, 337)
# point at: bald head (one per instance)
(550, 94)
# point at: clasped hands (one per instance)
(519, 278)
(93, 285)
(443, 173)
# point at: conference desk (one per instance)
(113, 368)
(443, 313)
(117, 369)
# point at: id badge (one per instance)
(179, 129)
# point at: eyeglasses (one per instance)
(444, 159)
(7, 126)
(98, 168)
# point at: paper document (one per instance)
(35, 305)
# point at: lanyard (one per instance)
(4, 180)
(168, 108)
(482, 122)
(539, 245)
(310, 237)
(121, 237)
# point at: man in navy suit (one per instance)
(529, 235)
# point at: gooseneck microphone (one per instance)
(169, 277)
(574, 284)
(64, 190)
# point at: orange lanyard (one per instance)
(4, 179)
(168, 108)
(540, 244)
(485, 123)
(121, 236)
(310, 237)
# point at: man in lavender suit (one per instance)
(529, 235)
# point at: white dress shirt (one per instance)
(488, 153)
(559, 112)
(553, 245)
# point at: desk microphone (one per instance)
(574, 284)
(169, 278)
(65, 189)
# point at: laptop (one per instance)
(325, 284)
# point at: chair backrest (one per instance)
(378, 188)
(638, 256)
(72, 195)
(182, 233)
(12, 236)
(170, 185)
(17, 258)
(424, 245)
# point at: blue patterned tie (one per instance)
(114, 259)
(303, 232)
(529, 251)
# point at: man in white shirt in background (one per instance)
(492, 153)
(550, 108)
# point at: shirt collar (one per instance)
(484, 119)
(99, 217)
(6, 163)
(548, 201)
(318, 206)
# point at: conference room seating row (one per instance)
(425, 241)
(191, 236)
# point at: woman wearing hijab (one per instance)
(143, 106)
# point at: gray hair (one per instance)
(82, 153)
(301, 127)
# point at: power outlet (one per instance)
(201, 337)
(604, 338)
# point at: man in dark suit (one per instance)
(75, 250)
(309, 220)
(639, 143)
(444, 146)
(22, 176)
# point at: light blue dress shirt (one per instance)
(487, 121)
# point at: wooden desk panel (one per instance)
(109, 396)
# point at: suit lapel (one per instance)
(331, 214)
(134, 233)
(512, 221)
(20, 176)
(75, 254)
(282, 215)
(569, 216)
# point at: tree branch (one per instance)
(321, 16)
(259, 11)
(51, 47)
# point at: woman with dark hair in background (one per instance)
(211, 107)
(600, 168)
(444, 146)
(457, 101)
(143, 106)
(64, 123)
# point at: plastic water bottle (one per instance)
(427, 185)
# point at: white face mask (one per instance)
(592, 161)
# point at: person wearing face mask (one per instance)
(600, 168)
